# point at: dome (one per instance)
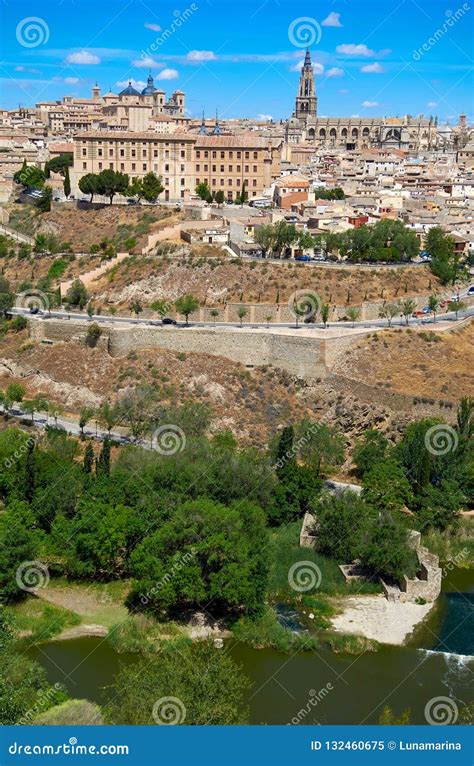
(445, 129)
(150, 88)
(129, 90)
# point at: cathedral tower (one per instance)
(306, 101)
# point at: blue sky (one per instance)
(388, 57)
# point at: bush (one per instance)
(19, 323)
(93, 334)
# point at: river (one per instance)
(346, 688)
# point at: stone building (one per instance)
(183, 160)
(407, 133)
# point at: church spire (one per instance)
(307, 59)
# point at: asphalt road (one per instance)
(369, 323)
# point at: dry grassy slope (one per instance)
(35, 267)
(438, 365)
(221, 280)
(249, 403)
(83, 228)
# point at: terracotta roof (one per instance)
(243, 140)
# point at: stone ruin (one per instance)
(426, 585)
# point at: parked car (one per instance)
(470, 290)
(168, 320)
(426, 310)
(35, 310)
(302, 257)
(131, 201)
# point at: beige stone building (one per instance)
(182, 160)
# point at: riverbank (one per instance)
(374, 617)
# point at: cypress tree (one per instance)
(103, 461)
(88, 459)
(67, 183)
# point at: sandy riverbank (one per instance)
(376, 618)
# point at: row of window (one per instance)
(231, 155)
(222, 182)
(238, 168)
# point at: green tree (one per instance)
(228, 570)
(342, 521)
(161, 307)
(7, 297)
(444, 260)
(43, 203)
(85, 414)
(265, 237)
(325, 313)
(203, 191)
(206, 687)
(89, 184)
(386, 487)
(152, 187)
(103, 461)
(18, 544)
(353, 314)
(220, 197)
(136, 307)
(110, 183)
(242, 313)
(214, 315)
(77, 294)
(186, 305)
(370, 451)
(135, 189)
(433, 305)
(407, 308)
(67, 183)
(457, 306)
(385, 551)
(388, 311)
(108, 415)
(93, 334)
(88, 462)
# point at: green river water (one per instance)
(439, 662)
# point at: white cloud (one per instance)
(370, 104)
(344, 91)
(317, 67)
(168, 74)
(264, 117)
(197, 56)
(19, 68)
(374, 68)
(351, 49)
(137, 84)
(335, 71)
(153, 27)
(147, 63)
(432, 103)
(333, 20)
(71, 80)
(82, 57)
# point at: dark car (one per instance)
(34, 310)
(168, 320)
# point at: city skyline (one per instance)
(245, 61)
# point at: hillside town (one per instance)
(236, 389)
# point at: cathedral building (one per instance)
(349, 133)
